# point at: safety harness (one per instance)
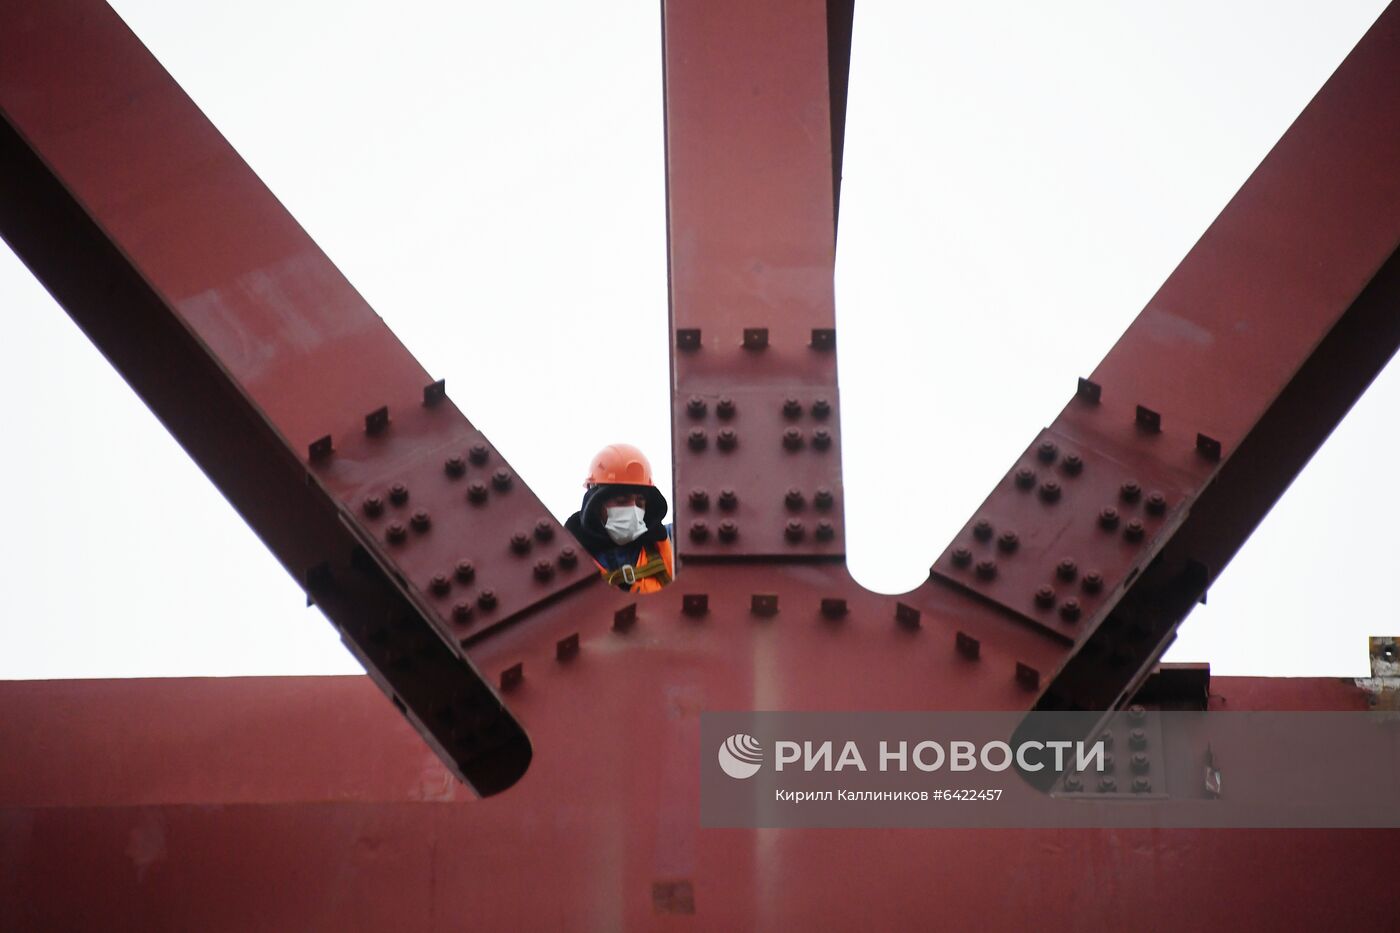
(651, 567)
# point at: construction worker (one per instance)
(621, 524)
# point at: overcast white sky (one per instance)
(1019, 179)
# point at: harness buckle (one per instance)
(629, 574)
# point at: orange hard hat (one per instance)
(619, 464)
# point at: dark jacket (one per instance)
(584, 526)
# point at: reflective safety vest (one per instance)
(651, 572)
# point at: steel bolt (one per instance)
(440, 585)
(462, 612)
(728, 438)
(986, 569)
(544, 530)
(1050, 491)
(464, 571)
(478, 454)
(1007, 542)
(1156, 503)
(961, 557)
(1107, 784)
(728, 530)
(1067, 569)
(420, 521)
(823, 498)
(454, 466)
(544, 569)
(501, 479)
(1134, 530)
(1139, 762)
(1092, 582)
(568, 557)
(1108, 518)
(820, 408)
(1069, 610)
(728, 499)
(795, 530)
(1137, 737)
(1025, 478)
(373, 506)
(396, 532)
(1047, 451)
(486, 599)
(825, 529)
(476, 492)
(1072, 782)
(520, 542)
(1130, 491)
(725, 407)
(696, 406)
(1045, 597)
(699, 500)
(1137, 712)
(792, 438)
(398, 494)
(982, 531)
(698, 439)
(792, 408)
(1072, 464)
(1141, 785)
(821, 438)
(699, 531)
(794, 499)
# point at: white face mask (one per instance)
(626, 523)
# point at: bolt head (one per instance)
(961, 557)
(1067, 569)
(1107, 784)
(699, 500)
(501, 479)
(986, 569)
(464, 571)
(486, 599)
(568, 557)
(1137, 737)
(454, 466)
(825, 529)
(982, 531)
(1072, 464)
(1130, 491)
(440, 585)
(728, 438)
(1045, 597)
(823, 498)
(1073, 783)
(728, 499)
(1025, 478)
(795, 530)
(1108, 518)
(1156, 503)
(420, 521)
(398, 494)
(476, 492)
(1047, 451)
(698, 439)
(1139, 762)
(544, 569)
(821, 438)
(1134, 530)
(396, 532)
(1070, 610)
(725, 408)
(544, 530)
(462, 612)
(1007, 542)
(792, 408)
(794, 498)
(1050, 491)
(520, 542)
(1141, 785)
(373, 506)
(792, 438)
(820, 408)
(728, 530)
(1137, 712)
(696, 406)
(1092, 582)
(699, 531)
(478, 454)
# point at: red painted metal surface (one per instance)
(306, 803)
(601, 829)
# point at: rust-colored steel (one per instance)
(159, 240)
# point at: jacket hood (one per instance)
(584, 525)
